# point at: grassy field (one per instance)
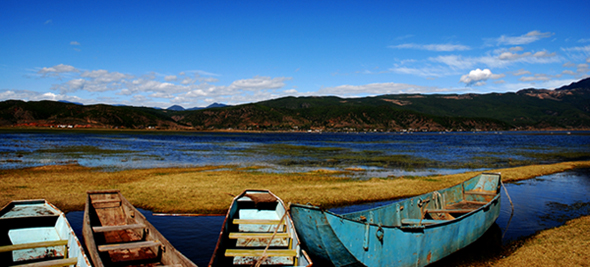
(567, 245)
(209, 190)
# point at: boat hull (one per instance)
(35, 231)
(381, 239)
(116, 234)
(258, 223)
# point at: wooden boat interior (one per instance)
(435, 207)
(121, 236)
(37, 233)
(255, 219)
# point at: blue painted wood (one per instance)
(267, 213)
(344, 240)
(34, 224)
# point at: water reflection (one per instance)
(540, 203)
(545, 202)
(195, 237)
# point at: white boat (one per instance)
(37, 233)
(258, 231)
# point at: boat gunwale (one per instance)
(139, 217)
(401, 227)
(228, 215)
(72, 240)
(301, 252)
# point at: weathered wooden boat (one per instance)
(116, 234)
(412, 232)
(258, 230)
(36, 233)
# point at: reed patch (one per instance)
(209, 189)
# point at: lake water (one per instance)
(539, 204)
(379, 154)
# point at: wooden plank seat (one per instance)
(449, 210)
(236, 235)
(112, 228)
(250, 221)
(424, 221)
(482, 193)
(130, 245)
(34, 245)
(52, 263)
(259, 252)
(105, 201)
(481, 203)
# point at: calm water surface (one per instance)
(380, 154)
(540, 203)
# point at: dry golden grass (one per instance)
(568, 245)
(210, 189)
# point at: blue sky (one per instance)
(194, 53)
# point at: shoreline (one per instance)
(209, 191)
(138, 130)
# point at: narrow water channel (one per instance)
(540, 203)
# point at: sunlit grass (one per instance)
(567, 245)
(210, 189)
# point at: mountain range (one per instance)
(564, 108)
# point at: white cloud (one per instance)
(146, 85)
(521, 72)
(568, 72)
(428, 71)
(502, 60)
(577, 53)
(513, 56)
(568, 65)
(457, 61)
(478, 77)
(260, 83)
(536, 77)
(208, 79)
(27, 95)
(74, 43)
(104, 76)
(170, 78)
(376, 89)
(538, 57)
(523, 39)
(57, 69)
(187, 80)
(433, 47)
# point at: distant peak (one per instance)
(584, 83)
(176, 108)
(217, 105)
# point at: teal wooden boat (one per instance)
(412, 232)
(258, 231)
(36, 233)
